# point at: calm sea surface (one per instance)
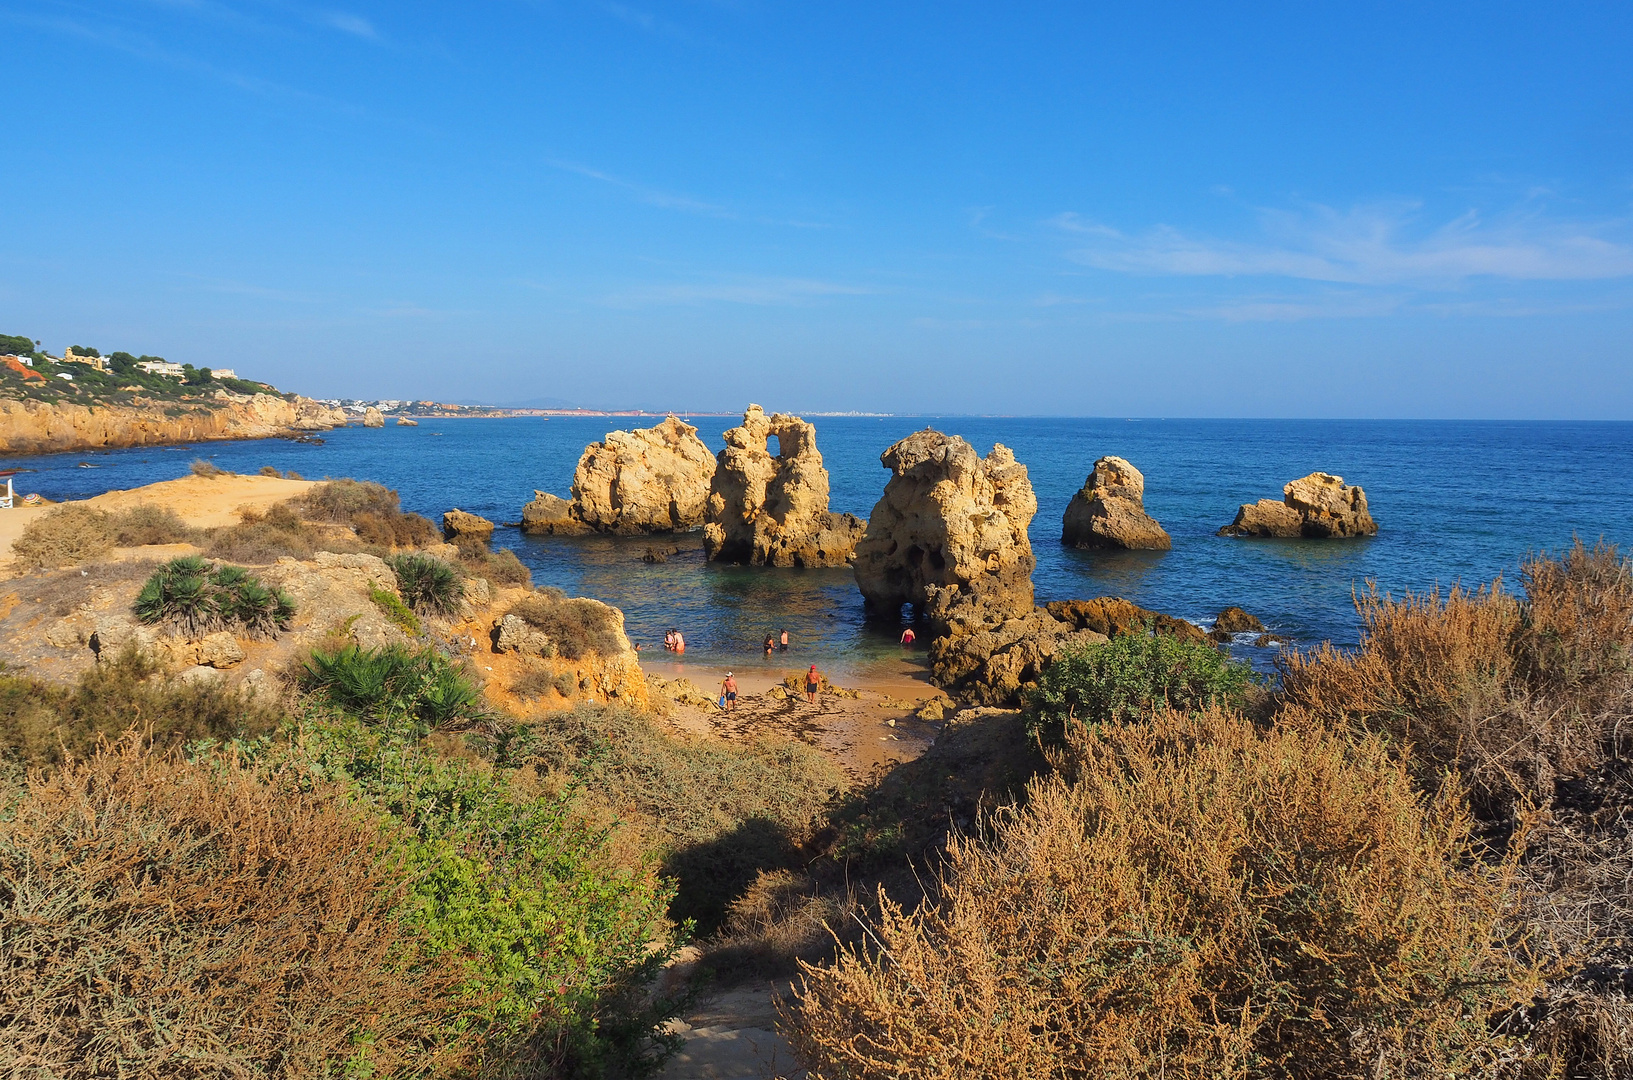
(1456, 501)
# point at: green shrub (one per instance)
(395, 610)
(66, 535)
(145, 525)
(563, 941)
(427, 583)
(420, 691)
(1129, 677)
(720, 812)
(579, 627)
(45, 723)
(1192, 898)
(197, 921)
(340, 501)
(193, 598)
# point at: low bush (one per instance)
(145, 525)
(191, 598)
(578, 626)
(419, 691)
(719, 812)
(261, 538)
(427, 583)
(202, 467)
(1129, 677)
(44, 723)
(1192, 897)
(395, 530)
(340, 501)
(535, 684)
(66, 535)
(500, 567)
(196, 920)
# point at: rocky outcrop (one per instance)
(459, 527)
(983, 658)
(646, 481)
(773, 511)
(332, 593)
(1113, 616)
(1319, 506)
(613, 675)
(42, 427)
(952, 520)
(1109, 512)
(551, 515)
(372, 417)
(1233, 620)
(403, 421)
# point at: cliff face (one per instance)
(37, 427)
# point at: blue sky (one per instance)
(1142, 209)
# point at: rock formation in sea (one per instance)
(773, 511)
(1114, 616)
(403, 421)
(1109, 512)
(462, 527)
(44, 427)
(951, 519)
(1233, 620)
(651, 480)
(372, 417)
(1319, 506)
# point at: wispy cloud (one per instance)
(649, 195)
(759, 292)
(1385, 245)
(347, 23)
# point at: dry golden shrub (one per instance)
(1191, 898)
(66, 535)
(167, 919)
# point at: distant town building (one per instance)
(161, 367)
(69, 356)
(223, 373)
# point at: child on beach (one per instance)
(813, 682)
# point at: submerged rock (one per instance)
(773, 511)
(1233, 620)
(1109, 512)
(953, 520)
(1319, 506)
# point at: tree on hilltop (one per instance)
(16, 344)
(82, 350)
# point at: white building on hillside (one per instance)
(161, 367)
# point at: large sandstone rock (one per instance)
(949, 518)
(773, 511)
(984, 658)
(458, 525)
(1319, 506)
(646, 481)
(551, 515)
(1109, 512)
(372, 417)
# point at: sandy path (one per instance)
(201, 501)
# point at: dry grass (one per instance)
(1193, 898)
(192, 921)
(579, 627)
(64, 536)
(1529, 702)
(261, 538)
(145, 525)
(500, 567)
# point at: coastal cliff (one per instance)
(43, 427)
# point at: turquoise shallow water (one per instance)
(1455, 500)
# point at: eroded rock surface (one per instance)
(372, 418)
(1109, 512)
(460, 525)
(951, 519)
(773, 511)
(651, 480)
(984, 658)
(1319, 506)
(38, 427)
(1112, 616)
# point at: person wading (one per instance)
(813, 682)
(784, 644)
(728, 690)
(770, 645)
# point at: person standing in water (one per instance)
(908, 637)
(680, 642)
(728, 690)
(770, 645)
(813, 682)
(784, 644)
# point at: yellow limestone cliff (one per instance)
(38, 427)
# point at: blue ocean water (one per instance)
(1456, 501)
